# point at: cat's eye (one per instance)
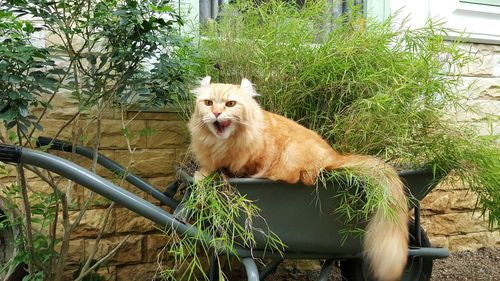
(208, 102)
(231, 103)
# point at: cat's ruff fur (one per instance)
(229, 130)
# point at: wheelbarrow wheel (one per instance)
(417, 268)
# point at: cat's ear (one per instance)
(205, 82)
(248, 87)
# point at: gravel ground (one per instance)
(480, 265)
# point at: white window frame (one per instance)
(479, 23)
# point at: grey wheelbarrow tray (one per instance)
(301, 216)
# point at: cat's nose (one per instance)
(217, 114)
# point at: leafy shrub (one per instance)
(23, 74)
(102, 54)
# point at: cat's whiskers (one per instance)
(207, 119)
(244, 123)
(199, 123)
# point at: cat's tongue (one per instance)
(224, 123)
(221, 126)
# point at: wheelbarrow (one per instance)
(301, 218)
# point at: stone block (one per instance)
(463, 200)
(156, 250)
(75, 250)
(482, 87)
(484, 63)
(494, 238)
(108, 272)
(114, 136)
(150, 162)
(437, 202)
(155, 115)
(7, 180)
(75, 195)
(167, 134)
(68, 273)
(439, 241)
(52, 126)
(496, 65)
(145, 271)
(87, 163)
(130, 251)
(450, 183)
(52, 39)
(91, 223)
(470, 241)
(39, 187)
(448, 198)
(137, 191)
(108, 113)
(478, 110)
(454, 224)
(128, 221)
(484, 128)
(64, 106)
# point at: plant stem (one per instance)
(105, 258)
(85, 267)
(27, 209)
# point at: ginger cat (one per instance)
(229, 130)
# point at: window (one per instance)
(483, 2)
(209, 9)
(480, 19)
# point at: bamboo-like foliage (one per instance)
(224, 220)
(367, 86)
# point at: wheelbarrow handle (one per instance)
(112, 166)
(10, 153)
(54, 144)
(101, 186)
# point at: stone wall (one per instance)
(154, 159)
(450, 217)
(158, 141)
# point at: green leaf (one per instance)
(14, 79)
(57, 71)
(28, 27)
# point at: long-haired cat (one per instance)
(229, 130)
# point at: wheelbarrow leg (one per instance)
(214, 270)
(251, 268)
(326, 270)
(270, 268)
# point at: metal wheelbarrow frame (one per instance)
(298, 233)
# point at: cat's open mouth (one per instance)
(220, 126)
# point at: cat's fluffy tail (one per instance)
(386, 239)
